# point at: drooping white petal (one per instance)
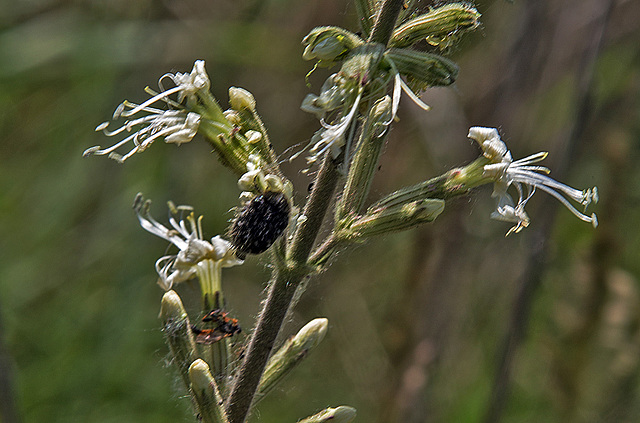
(333, 136)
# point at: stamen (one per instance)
(150, 101)
(508, 172)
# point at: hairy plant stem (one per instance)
(386, 21)
(454, 183)
(288, 275)
(284, 283)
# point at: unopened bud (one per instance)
(342, 414)
(440, 26)
(423, 69)
(253, 137)
(205, 391)
(329, 44)
(241, 99)
(178, 334)
(291, 354)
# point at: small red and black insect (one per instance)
(260, 223)
(225, 327)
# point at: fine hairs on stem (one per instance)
(355, 108)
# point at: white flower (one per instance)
(333, 137)
(400, 85)
(188, 84)
(176, 126)
(195, 253)
(526, 178)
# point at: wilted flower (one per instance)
(197, 256)
(526, 178)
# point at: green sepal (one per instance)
(366, 158)
(291, 354)
(422, 69)
(178, 334)
(393, 219)
(367, 11)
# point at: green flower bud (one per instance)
(206, 394)
(177, 331)
(342, 414)
(329, 44)
(441, 26)
(423, 69)
(241, 99)
(291, 354)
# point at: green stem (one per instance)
(314, 211)
(284, 284)
(454, 183)
(287, 277)
(386, 21)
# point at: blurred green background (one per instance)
(448, 323)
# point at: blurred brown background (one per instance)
(448, 323)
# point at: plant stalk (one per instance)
(386, 21)
(285, 282)
(287, 277)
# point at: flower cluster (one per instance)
(525, 177)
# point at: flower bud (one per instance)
(441, 26)
(291, 354)
(233, 117)
(329, 44)
(205, 391)
(177, 331)
(241, 99)
(253, 137)
(342, 414)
